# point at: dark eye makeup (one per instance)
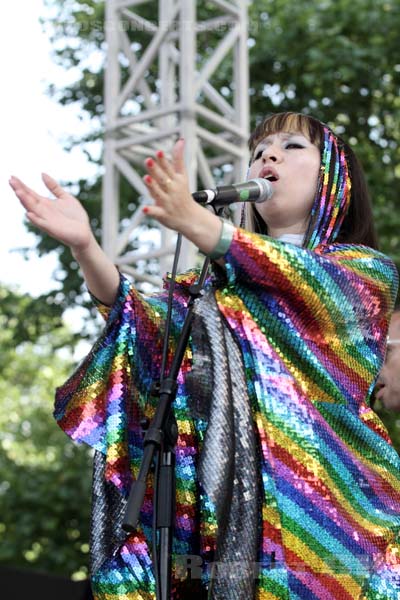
(288, 145)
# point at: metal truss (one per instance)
(166, 89)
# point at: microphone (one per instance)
(255, 190)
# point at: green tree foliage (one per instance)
(44, 478)
(24, 318)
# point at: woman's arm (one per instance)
(100, 274)
(65, 219)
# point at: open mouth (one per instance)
(269, 173)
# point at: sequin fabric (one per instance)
(332, 199)
(311, 328)
(228, 467)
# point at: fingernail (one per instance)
(145, 209)
(147, 179)
(160, 154)
(149, 162)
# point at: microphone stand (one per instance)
(160, 440)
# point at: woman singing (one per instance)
(287, 484)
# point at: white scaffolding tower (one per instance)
(141, 117)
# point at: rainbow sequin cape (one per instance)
(311, 327)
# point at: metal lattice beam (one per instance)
(182, 100)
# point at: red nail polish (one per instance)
(145, 209)
(149, 162)
(148, 179)
(160, 154)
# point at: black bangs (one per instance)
(287, 122)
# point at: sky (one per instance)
(32, 129)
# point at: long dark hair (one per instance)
(358, 224)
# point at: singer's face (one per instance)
(291, 162)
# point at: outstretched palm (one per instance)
(64, 218)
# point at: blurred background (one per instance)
(336, 59)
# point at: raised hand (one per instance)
(63, 217)
(167, 183)
(174, 206)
